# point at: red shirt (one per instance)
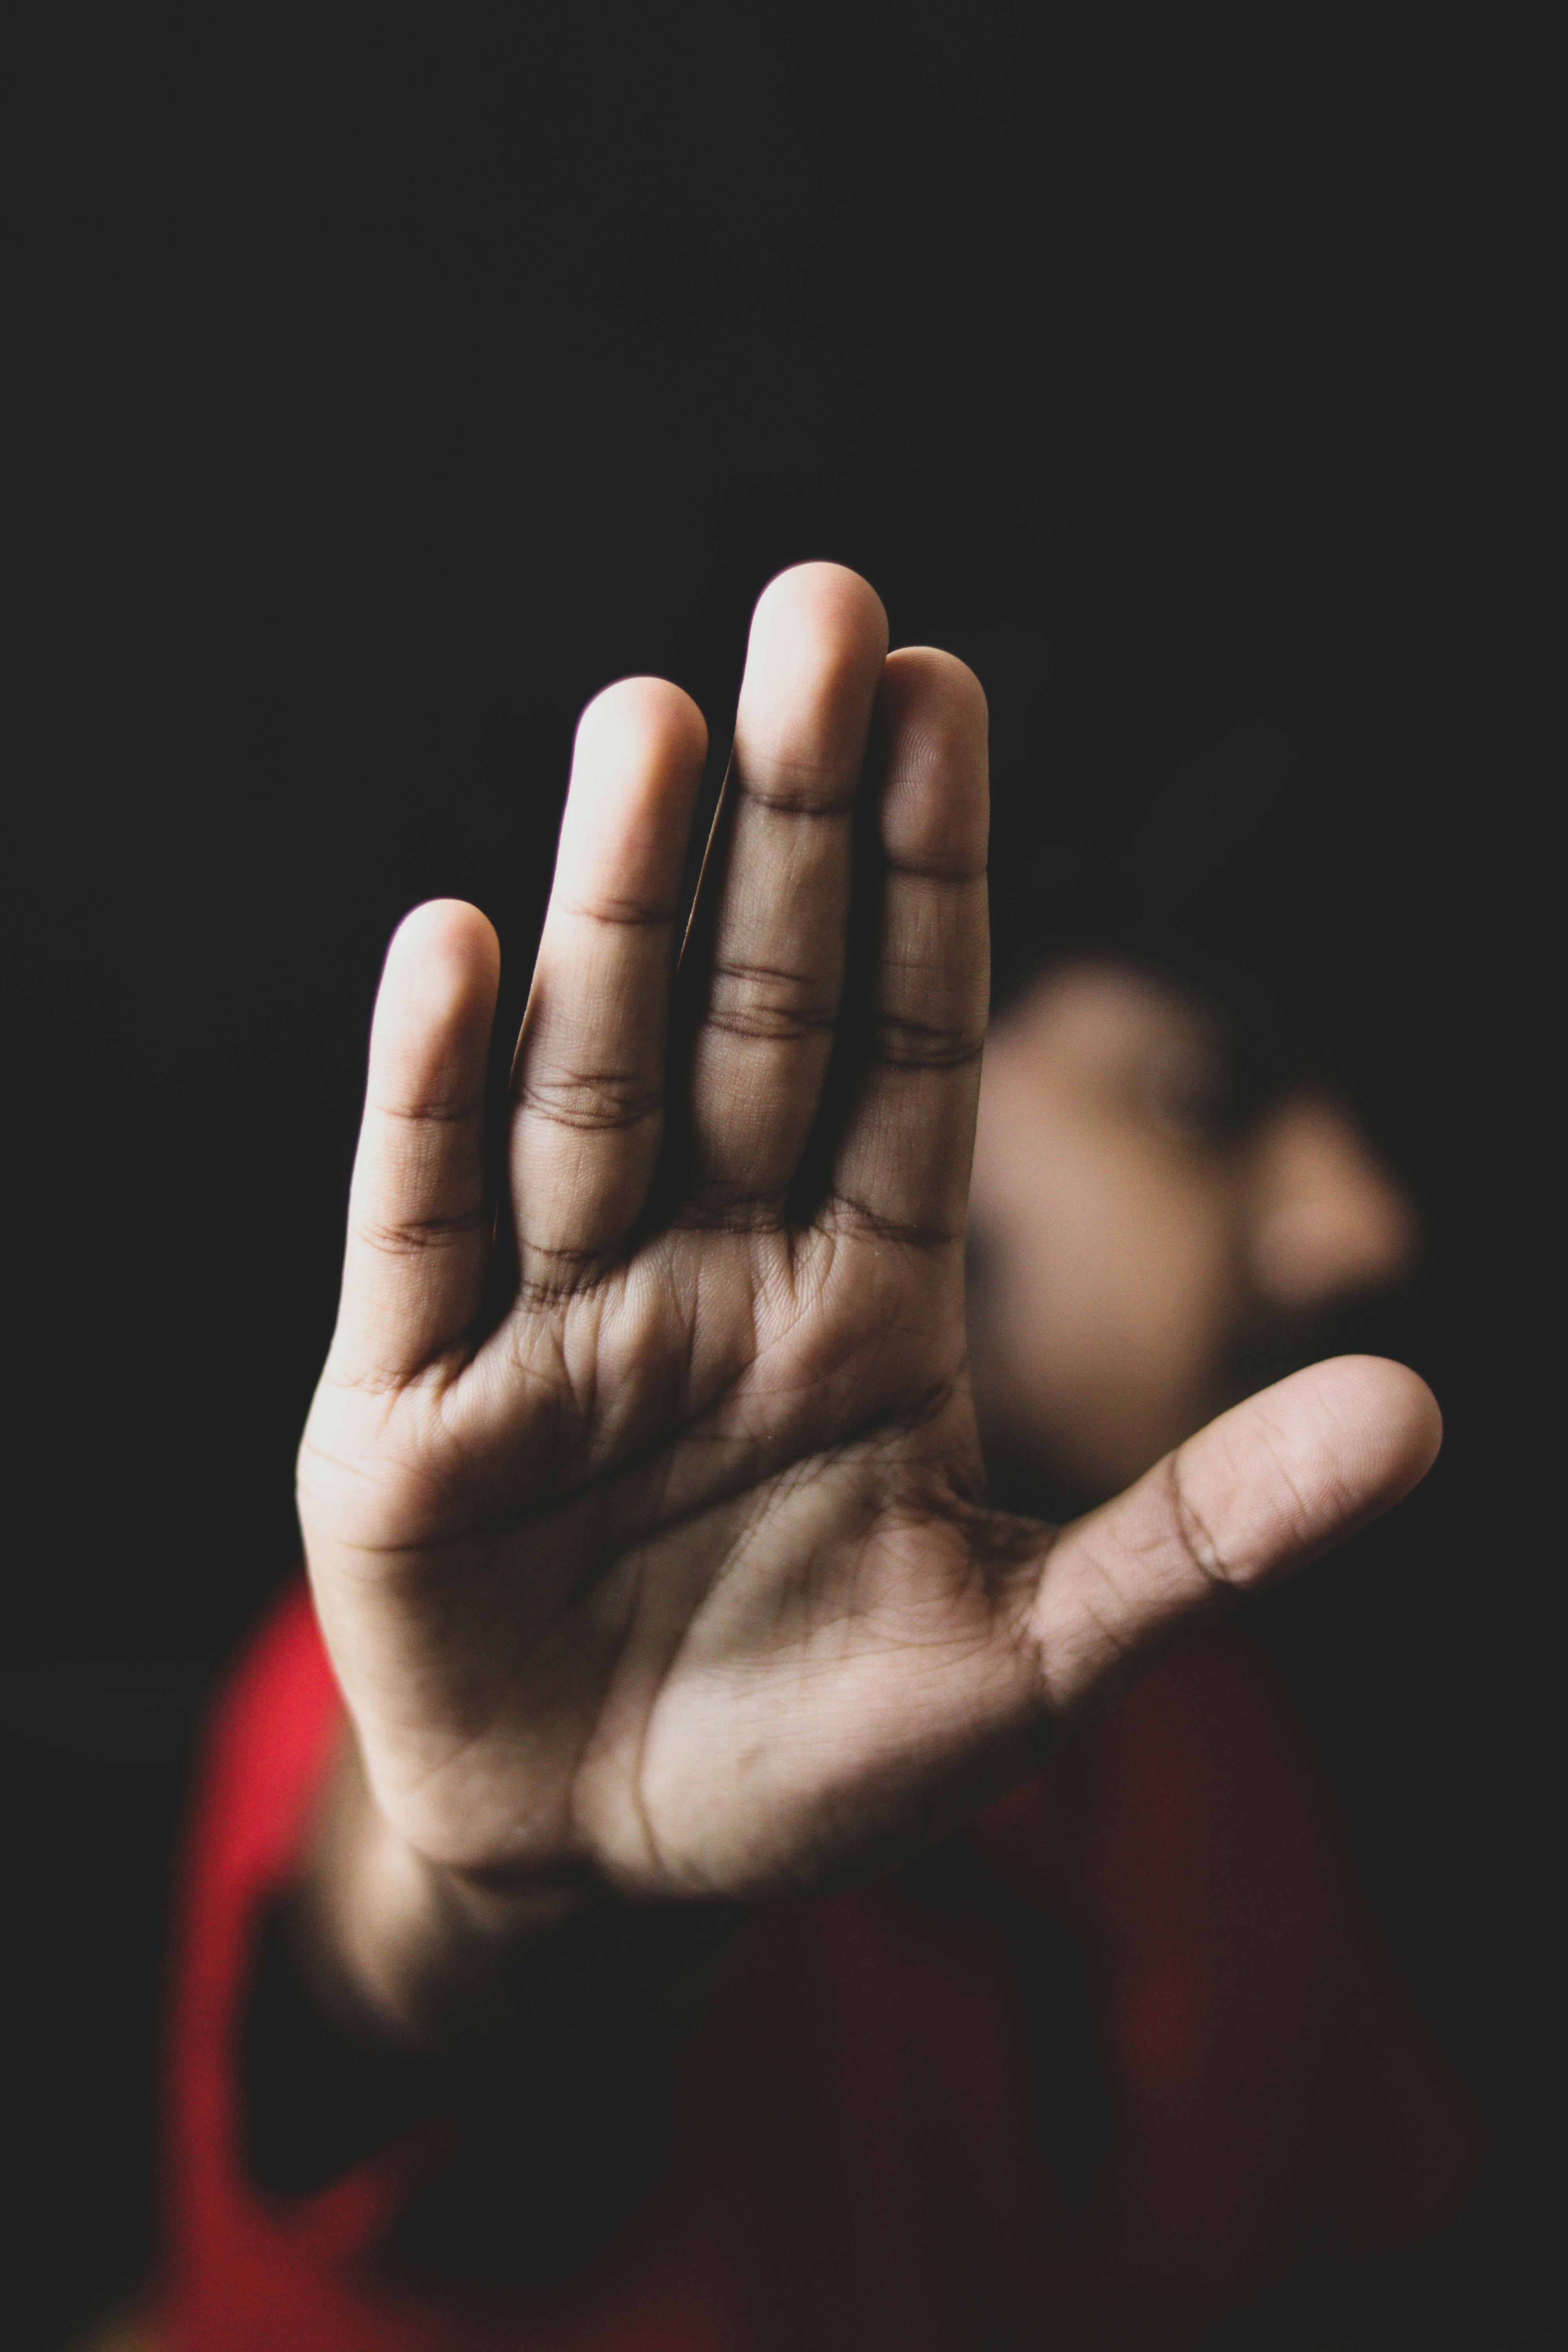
(858, 2156)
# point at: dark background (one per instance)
(383, 400)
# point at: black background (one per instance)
(385, 397)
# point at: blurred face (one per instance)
(1129, 1253)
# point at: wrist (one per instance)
(403, 1950)
(416, 1957)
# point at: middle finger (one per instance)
(769, 997)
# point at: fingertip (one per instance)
(1388, 1419)
(930, 672)
(1305, 1463)
(442, 974)
(447, 937)
(450, 926)
(1309, 1461)
(636, 767)
(640, 715)
(830, 608)
(934, 720)
(1252, 1497)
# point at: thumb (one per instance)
(1255, 1494)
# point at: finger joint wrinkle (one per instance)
(596, 1101)
(720, 1208)
(1197, 1545)
(430, 1113)
(843, 1214)
(622, 914)
(770, 1021)
(365, 1379)
(960, 874)
(926, 1046)
(819, 794)
(574, 1270)
(759, 999)
(412, 1236)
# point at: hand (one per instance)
(678, 1579)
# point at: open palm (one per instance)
(675, 1571)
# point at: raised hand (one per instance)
(673, 1574)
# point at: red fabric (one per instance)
(858, 2159)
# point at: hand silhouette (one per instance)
(672, 1573)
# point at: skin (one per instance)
(1129, 1252)
(654, 1558)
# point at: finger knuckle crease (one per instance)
(754, 999)
(412, 1236)
(719, 1209)
(573, 1273)
(801, 788)
(622, 914)
(365, 1379)
(430, 1113)
(955, 873)
(592, 1101)
(1197, 1544)
(925, 1046)
(858, 1218)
